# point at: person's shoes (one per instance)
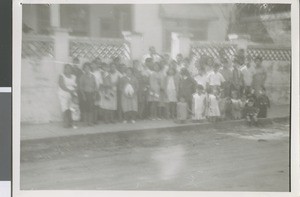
(124, 121)
(74, 127)
(133, 121)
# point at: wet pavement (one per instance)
(227, 158)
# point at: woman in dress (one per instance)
(154, 91)
(129, 96)
(88, 89)
(171, 87)
(67, 88)
(108, 92)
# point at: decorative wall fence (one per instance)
(88, 48)
(37, 46)
(212, 49)
(104, 48)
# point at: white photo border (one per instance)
(16, 95)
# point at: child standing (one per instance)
(263, 103)
(182, 110)
(199, 104)
(212, 105)
(251, 113)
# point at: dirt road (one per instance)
(218, 159)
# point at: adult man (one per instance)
(260, 75)
(247, 72)
(227, 74)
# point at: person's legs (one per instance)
(112, 116)
(248, 118)
(66, 119)
(106, 115)
(70, 119)
(81, 106)
(151, 109)
(174, 110)
(133, 117)
(155, 109)
(125, 117)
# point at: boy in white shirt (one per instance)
(215, 78)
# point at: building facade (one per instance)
(153, 21)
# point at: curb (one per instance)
(177, 128)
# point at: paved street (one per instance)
(220, 158)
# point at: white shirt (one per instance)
(247, 74)
(215, 79)
(201, 80)
(98, 78)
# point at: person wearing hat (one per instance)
(259, 76)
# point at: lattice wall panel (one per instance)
(37, 48)
(212, 50)
(270, 54)
(92, 49)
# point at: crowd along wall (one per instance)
(43, 59)
(276, 61)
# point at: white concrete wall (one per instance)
(146, 20)
(39, 85)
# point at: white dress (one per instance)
(171, 90)
(65, 98)
(212, 106)
(198, 106)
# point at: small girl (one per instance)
(199, 104)
(212, 105)
(182, 110)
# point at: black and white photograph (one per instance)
(156, 97)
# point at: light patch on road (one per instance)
(170, 161)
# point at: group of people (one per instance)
(159, 87)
